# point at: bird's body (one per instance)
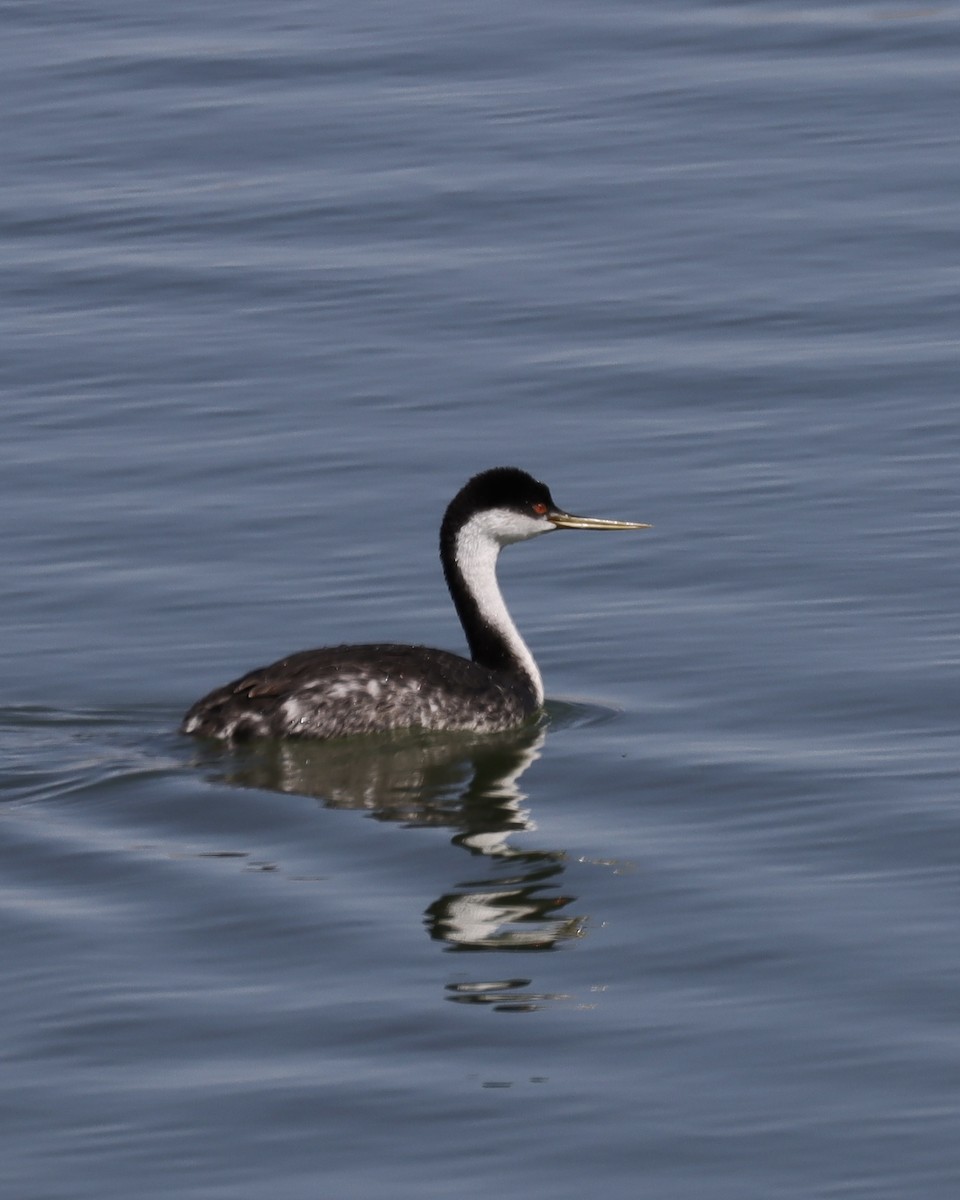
(340, 690)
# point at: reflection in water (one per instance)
(468, 783)
(506, 995)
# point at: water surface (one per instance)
(277, 281)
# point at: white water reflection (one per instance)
(470, 784)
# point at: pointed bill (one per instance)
(564, 520)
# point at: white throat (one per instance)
(477, 549)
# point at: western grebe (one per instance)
(340, 690)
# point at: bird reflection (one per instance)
(468, 783)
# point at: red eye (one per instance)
(540, 509)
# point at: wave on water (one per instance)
(50, 753)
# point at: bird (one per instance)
(339, 691)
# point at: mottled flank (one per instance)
(341, 690)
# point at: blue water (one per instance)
(277, 280)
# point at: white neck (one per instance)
(478, 546)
